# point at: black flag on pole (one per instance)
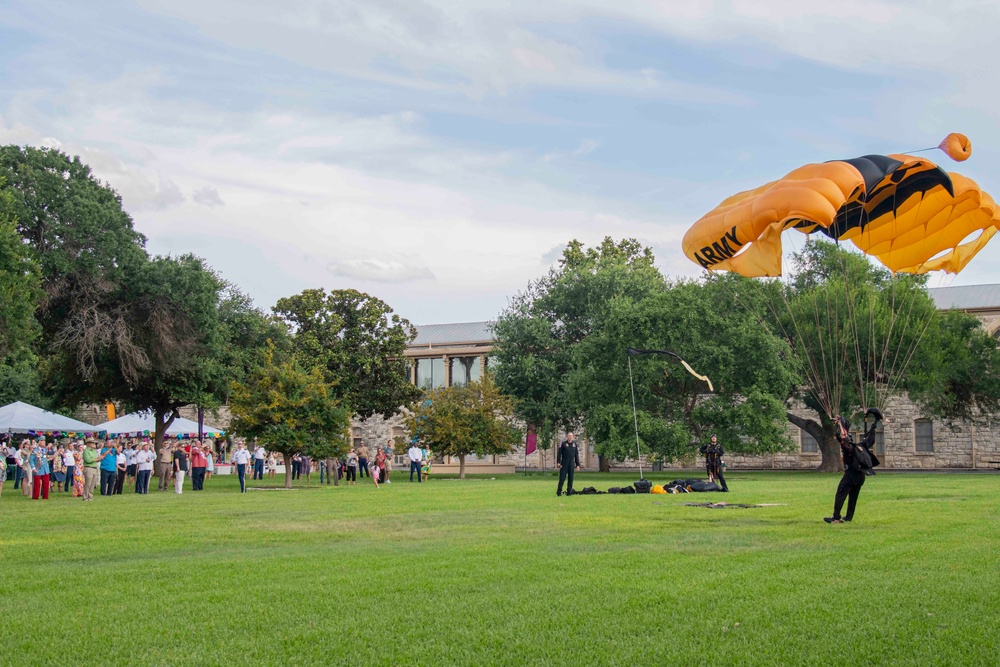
(634, 352)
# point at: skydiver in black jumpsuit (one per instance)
(713, 462)
(855, 467)
(568, 460)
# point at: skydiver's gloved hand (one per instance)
(874, 412)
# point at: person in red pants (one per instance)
(39, 471)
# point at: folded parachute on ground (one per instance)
(904, 210)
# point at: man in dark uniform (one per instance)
(713, 462)
(858, 461)
(568, 461)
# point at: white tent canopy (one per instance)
(20, 417)
(144, 423)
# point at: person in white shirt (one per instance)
(14, 452)
(70, 464)
(210, 458)
(241, 457)
(146, 459)
(415, 457)
(131, 464)
(259, 454)
(122, 463)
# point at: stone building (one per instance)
(448, 354)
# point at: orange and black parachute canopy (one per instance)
(910, 214)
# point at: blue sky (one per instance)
(439, 155)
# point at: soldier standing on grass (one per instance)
(568, 461)
(713, 461)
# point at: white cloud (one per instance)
(207, 196)
(488, 43)
(380, 270)
(497, 44)
(326, 200)
(322, 197)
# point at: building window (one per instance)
(398, 437)
(880, 439)
(923, 433)
(465, 370)
(430, 373)
(809, 444)
(356, 441)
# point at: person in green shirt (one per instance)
(90, 459)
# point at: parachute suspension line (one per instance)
(854, 330)
(830, 368)
(911, 348)
(828, 342)
(820, 386)
(635, 416)
(818, 389)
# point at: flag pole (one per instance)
(635, 417)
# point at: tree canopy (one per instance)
(171, 306)
(859, 335)
(562, 354)
(289, 410)
(19, 282)
(459, 421)
(536, 336)
(702, 324)
(358, 341)
(86, 248)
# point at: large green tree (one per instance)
(87, 251)
(289, 410)
(171, 305)
(246, 332)
(359, 343)
(537, 335)
(860, 335)
(458, 421)
(675, 411)
(19, 282)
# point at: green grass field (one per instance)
(500, 571)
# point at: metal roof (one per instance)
(966, 297)
(445, 334)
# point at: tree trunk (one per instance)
(288, 470)
(833, 460)
(461, 466)
(159, 415)
(604, 463)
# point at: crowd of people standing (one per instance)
(39, 468)
(112, 466)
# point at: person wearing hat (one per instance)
(90, 461)
(713, 462)
(858, 462)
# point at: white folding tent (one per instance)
(20, 417)
(144, 423)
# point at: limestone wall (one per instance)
(953, 444)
